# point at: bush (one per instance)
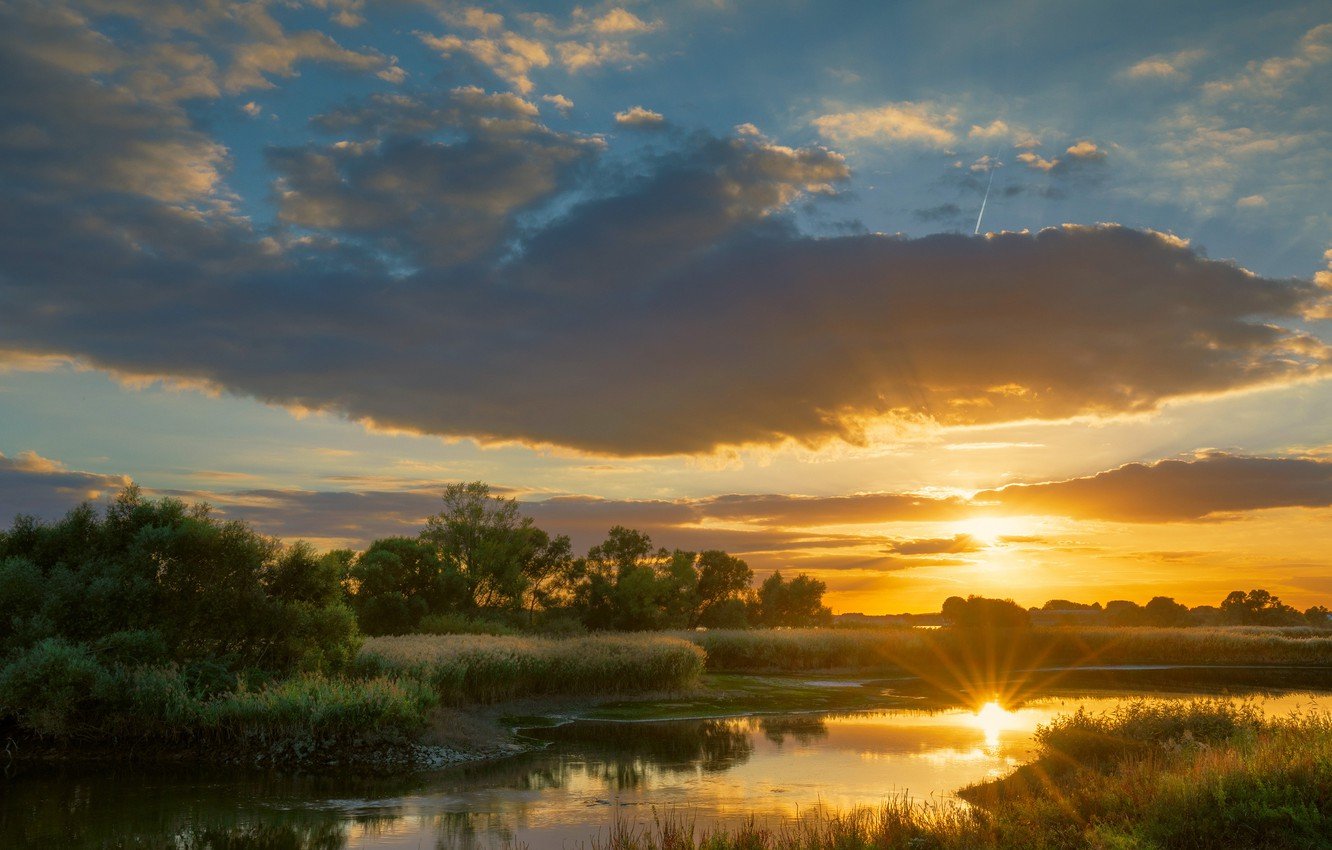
(157, 581)
(54, 688)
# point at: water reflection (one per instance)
(589, 775)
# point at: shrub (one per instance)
(54, 687)
(156, 581)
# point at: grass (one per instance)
(466, 669)
(915, 650)
(1202, 774)
(61, 699)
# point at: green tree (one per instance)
(487, 541)
(158, 581)
(723, 585)
(796, 603)
(630, 585)
(398, 580)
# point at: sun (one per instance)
(989, 530)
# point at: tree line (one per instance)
(481, 559)
(1239, 608)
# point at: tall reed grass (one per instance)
(475, 669)
(913, 650)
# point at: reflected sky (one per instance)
(590, 775)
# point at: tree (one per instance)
(1124, 612)
(1319, 616)
(723, 582)
(979, 612)
(627, 582)
(796, 603)
(550, 570)
(487, 541)
(1257, 608)
(399, 580)
(159, 581)
(1165, 611)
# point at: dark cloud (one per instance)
(1176, 490)
(36, 486)
(456, 268)
(947, 213)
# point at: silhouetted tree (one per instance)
(1257, 608)
(798, 602)
(1165, 611)
(723, 583)
(978, 612)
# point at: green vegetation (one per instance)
(160, 626)
(465, 669)
(924, 650)
(481, 562)
(1150, 775)
(157, 626)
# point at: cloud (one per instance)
(637, 116)
(446, 264)
(941, 213)
(958, 544)
(38, 486)
(536, 41)
(510, 56)
(1066, 322)
(615, 21)
(1076, 158)
(921, 123)
(1250, 202)
(1272, 77)
(559, 101)
(437, 202)
(1176, 490)
(1166, 66)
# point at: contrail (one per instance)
(985, 200)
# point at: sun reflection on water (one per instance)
(993, 720)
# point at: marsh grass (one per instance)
(913, 650)
(473, 669)
(64, 701)
(1201, 774)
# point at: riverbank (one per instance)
(432, 701)
(1201, 774)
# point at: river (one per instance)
(588, 776)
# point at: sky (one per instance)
(712, 269)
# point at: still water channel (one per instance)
(588, 776)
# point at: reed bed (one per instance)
(475, 669)
(914, 650)
(1206, 774)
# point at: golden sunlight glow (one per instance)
(993, 719)
(988, 530)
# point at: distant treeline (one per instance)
(1255, 608)
(479, 564)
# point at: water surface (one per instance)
(713, 771)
